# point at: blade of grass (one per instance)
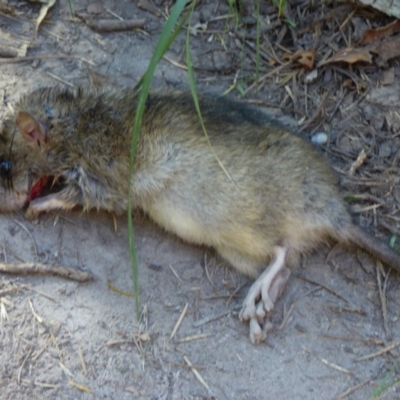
(164, 47)
(167, 36)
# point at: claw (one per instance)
(262, 295)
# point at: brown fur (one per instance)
(282, 190)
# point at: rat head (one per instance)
(27, 157)
(22, 136)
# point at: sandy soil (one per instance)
(65, 340)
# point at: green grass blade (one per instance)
(163, 45)
(167, 36)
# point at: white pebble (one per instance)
(320, 138)
(311, 76)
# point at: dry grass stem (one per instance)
(175, 274)
(193, 337)
(79, 386)
(382, 296)
(335, 366)
(178, 323)
(351, 390)
(196, 373)
(327, 288)
(379, 353)
(207, 320)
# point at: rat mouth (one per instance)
(45, 185)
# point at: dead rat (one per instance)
(280, 199)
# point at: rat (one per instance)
(261, 196)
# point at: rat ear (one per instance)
(32, 130)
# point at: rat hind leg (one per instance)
(264, 291)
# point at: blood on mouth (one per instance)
(43, 186)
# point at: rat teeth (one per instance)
(55, 180)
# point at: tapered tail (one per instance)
(375, 246)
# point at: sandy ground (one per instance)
(66, 340)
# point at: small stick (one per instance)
(327, 288)
(382, 296)
(286, 316)
(365, 341)
(39, 352)
(28, 382)
(362, 156)
(335, 366)
(175, 274)
(204, 321)
(175, 63)
(12, 290)
(378, 353)
(193, 337)
(57, 78)
(22, 366)
(238, 289)
(316, 112)
(79, 386)
(66, 370)
(44, 269)
(114, 15)
(207, 273)
(339, 309)
(110, 25)
(196, 373)
(351, 390)
(178, 323)
(82, 360)
(43, 57)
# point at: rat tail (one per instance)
(375, 246)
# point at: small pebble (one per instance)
(319, 138)
(311, 76)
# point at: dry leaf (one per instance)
(387, 50)
(373, 35)
(43, 12)
(351, 56)
(303, 57)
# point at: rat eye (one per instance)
(5, 172)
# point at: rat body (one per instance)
(280, 199)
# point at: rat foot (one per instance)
(262, 295)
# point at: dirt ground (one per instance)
(66, 340)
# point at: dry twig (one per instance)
(44, 269)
